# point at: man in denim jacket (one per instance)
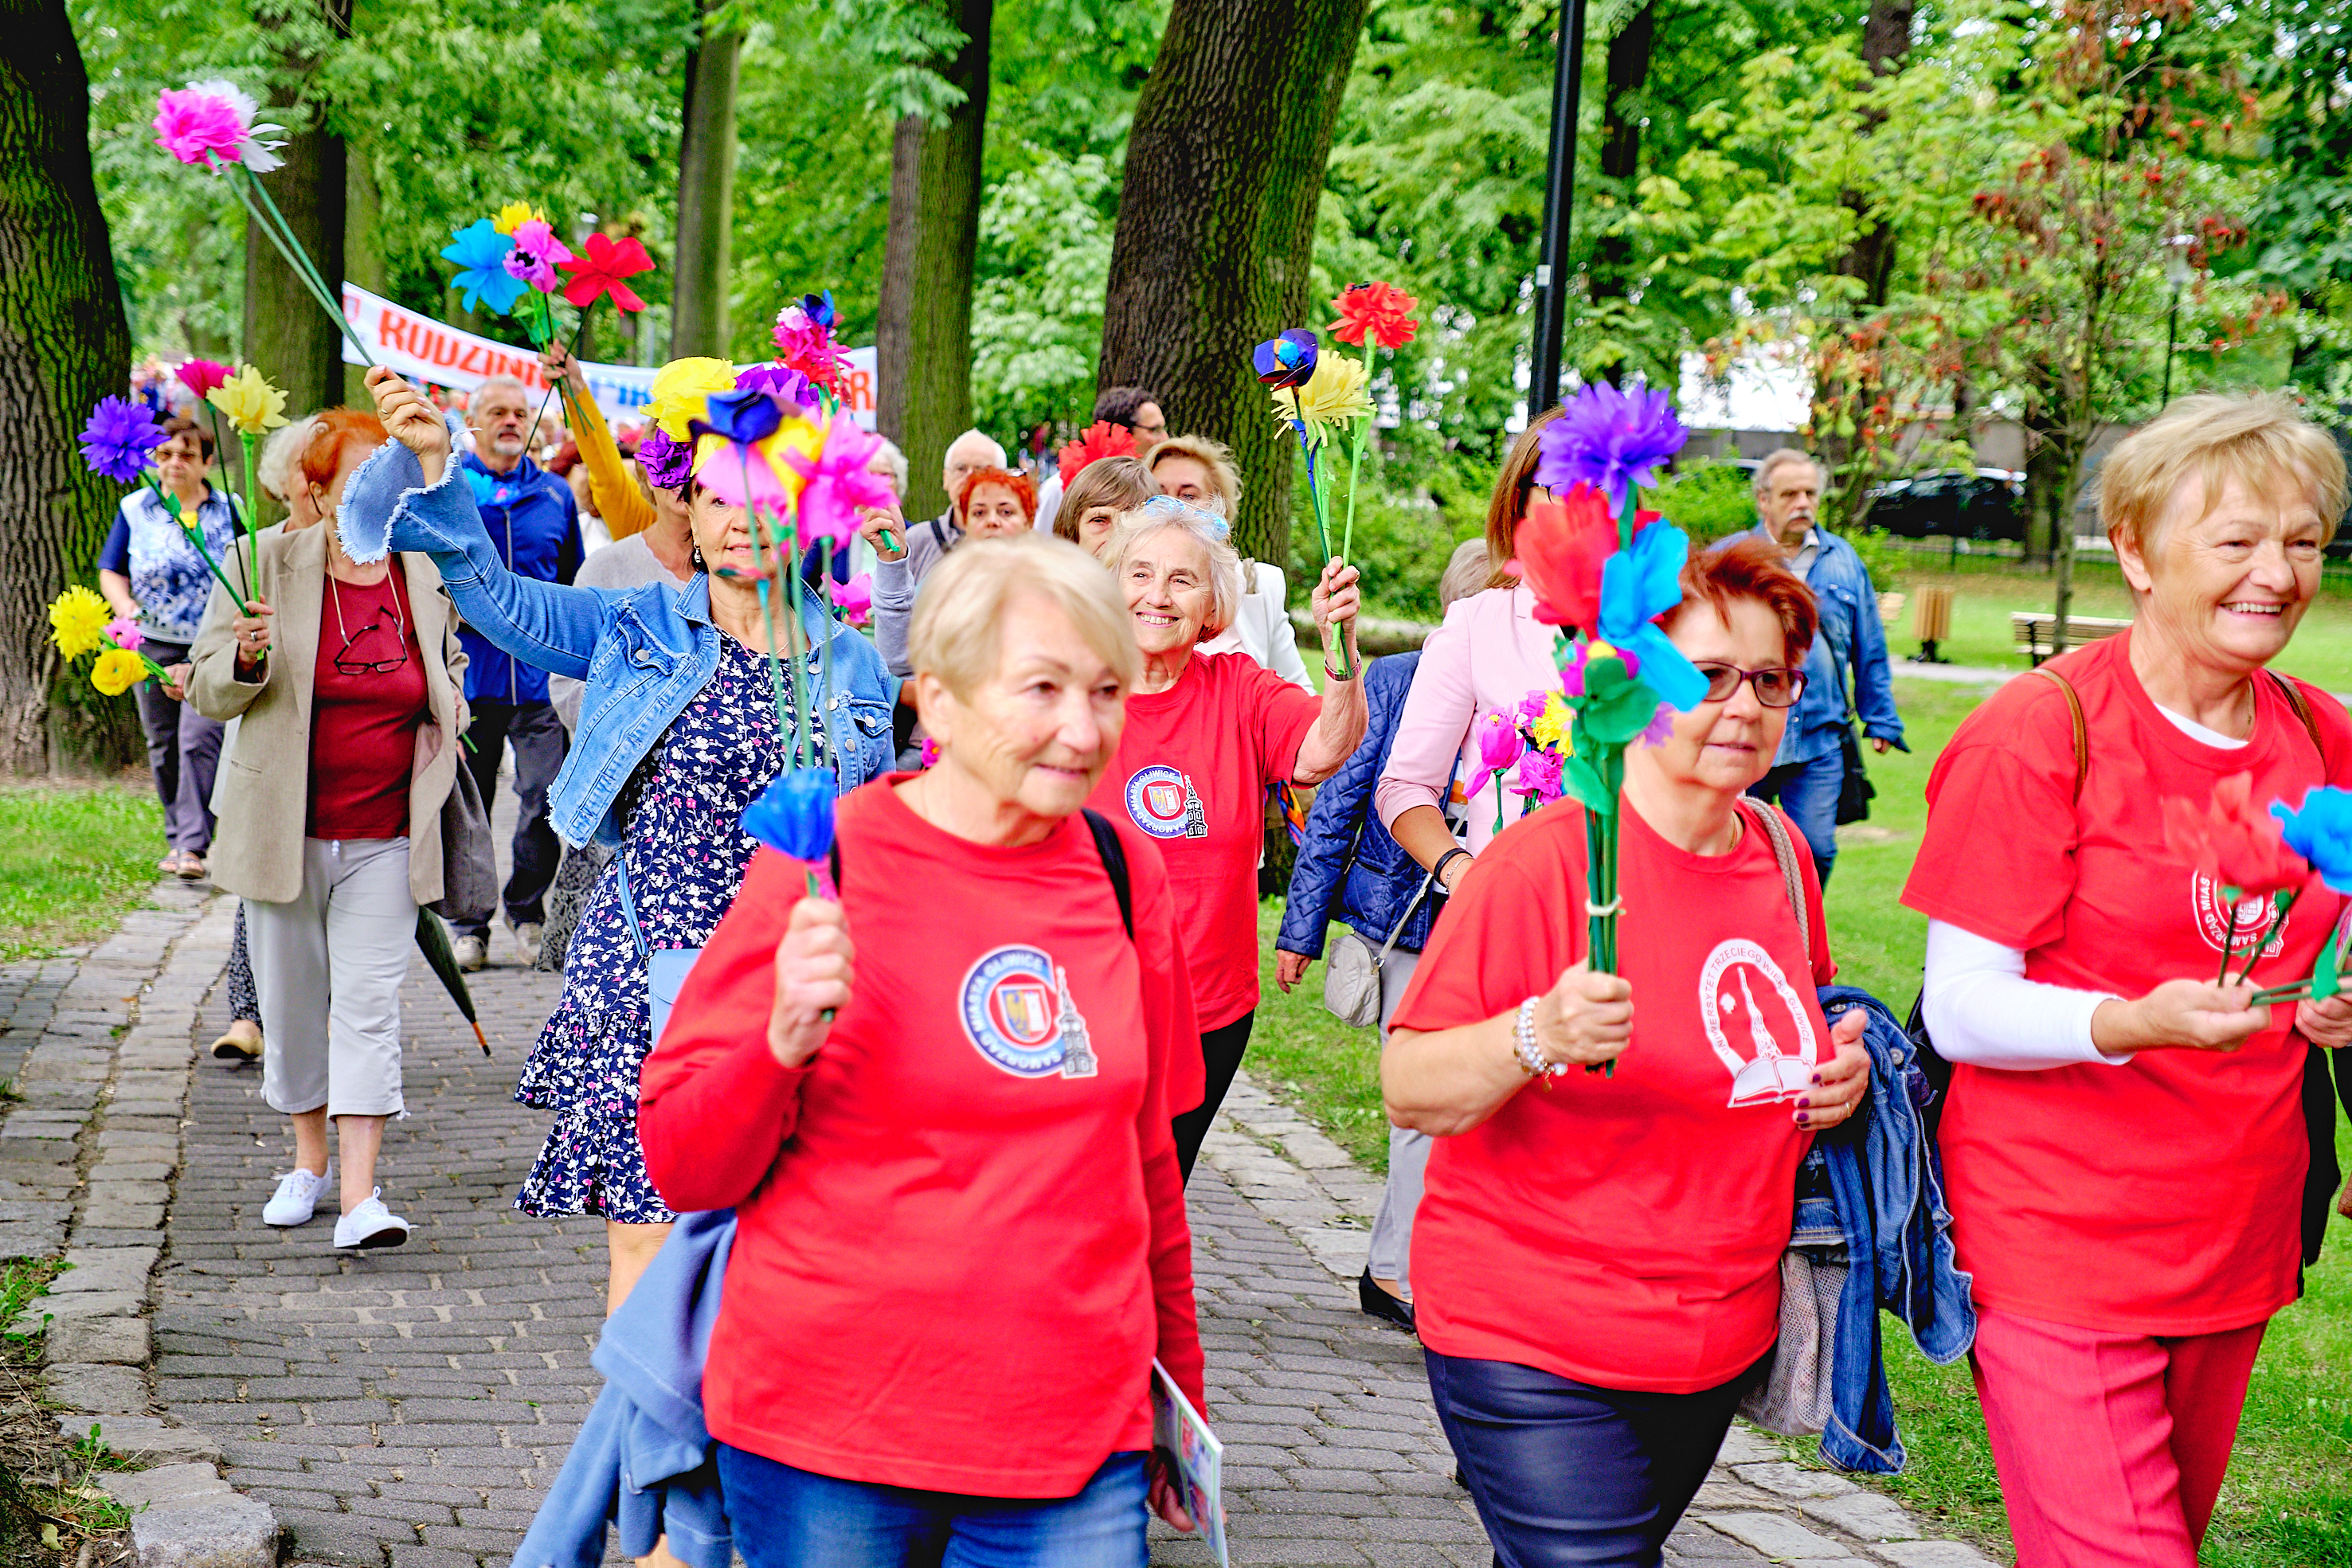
(1809, 769)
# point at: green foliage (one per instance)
(1884, 559)
(1410, 511)
(1708, 501)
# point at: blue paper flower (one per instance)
(120, 438)
(741, 416)
(1637, 586)
(818, 307)
(1610, 439)
(480, 253)
(487, 491)
(794, 814)
(2321, 832)
(1287, 361)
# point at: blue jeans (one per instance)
(1808, 791)
(788, 1518)
(538, 742)
(1567, 1475)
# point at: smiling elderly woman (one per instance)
(1207, 735)
(2125, 1138)
(962, 1236)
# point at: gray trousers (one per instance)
(329, 964)
(182, 752)
(1391, 1246)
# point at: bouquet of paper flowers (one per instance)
(2259, 864)
(80, 623)
(1525, 751)
(1602, 572)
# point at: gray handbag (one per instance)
(469, 863)
(1352, 969)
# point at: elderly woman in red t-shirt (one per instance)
(2125, 1141)
(941, 1107)
(1596, 1260)
(1207, 735)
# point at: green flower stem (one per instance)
(796, 633)
(2253, 954)
(767, 608)
(2230, 934)
(196, 537)
(570, 350)
(1335, 645)
(257, 202)
(832, 740)
(1356, 461)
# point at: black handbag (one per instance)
(1856, 790)
(469, 862)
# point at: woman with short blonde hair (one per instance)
(2127, 1129)
(1196, 469)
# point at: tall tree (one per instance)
(705, 187)
(1216, 224)
(923, 326)
(1621, 114)
(64, 344)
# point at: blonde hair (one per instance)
(2258, 438)
(1209, 454)
(957, 629)
(1226, 583)
(1121, 483)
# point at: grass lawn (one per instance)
(72, 859)
(2288, 1501)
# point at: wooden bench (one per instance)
(2036, 632)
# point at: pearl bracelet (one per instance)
(1523, 1044)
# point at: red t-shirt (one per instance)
(2158, 1197)
(962, 1233)
(363, 717)
(1191, 771)
(1624, 1231)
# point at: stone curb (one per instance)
(104, 1090)
(1784, 1512)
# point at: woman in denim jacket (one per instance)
(679, 732)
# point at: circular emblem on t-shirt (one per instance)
(1011, 1013)
(2254, 913)
(1744, 998)
(1156, 802)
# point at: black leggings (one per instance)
(1220, 1052)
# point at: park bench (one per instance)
(2036, 632)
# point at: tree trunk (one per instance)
(706, 196)
(922, 332)
(1885, 39)
(1216, 225)
(1620, 153)
(64, 344)
(2045, 487)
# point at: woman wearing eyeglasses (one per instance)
(1596, 1260)
(350, 680)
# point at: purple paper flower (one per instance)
(120, 438)
(535, 254)
(668, 463)
(1610, 439)
(1287, 361)
(777, 381)
(1660, 728)
(1572, 675)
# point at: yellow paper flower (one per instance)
(681, 388)
(249, 403)
(116, 671)
(1335, 396)
(1551, 727)
(514, 214)
(78, 621)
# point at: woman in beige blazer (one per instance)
(348, 681)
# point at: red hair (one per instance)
(1023, 490)
(1751, 567)
(330, 432)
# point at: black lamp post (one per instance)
(1559, 200)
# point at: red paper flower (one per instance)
(1561, 547)
(2228, 841)
(1101, 439)
(600, 273)
(1380, 308)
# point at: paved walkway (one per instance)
(409, 1409)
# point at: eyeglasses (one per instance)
(1774, 687)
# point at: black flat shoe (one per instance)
(1378, 1304)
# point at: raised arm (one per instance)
(622, 506)
(1342, 723)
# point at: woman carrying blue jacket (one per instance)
(1350, 869)
(679, 732)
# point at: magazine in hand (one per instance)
(1177, 1428)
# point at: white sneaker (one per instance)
(471, 953)
(297, 1198)
(370, 1224)
(527, 936)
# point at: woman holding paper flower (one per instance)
(1596, 1260)
(1206, 735)
(151, 573)
(2125, 1138)
(689, 711)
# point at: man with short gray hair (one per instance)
(1809, 772)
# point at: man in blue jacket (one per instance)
(1809, 769)
(535, 524)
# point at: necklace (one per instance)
(344, 663)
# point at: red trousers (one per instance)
(2111, 1447)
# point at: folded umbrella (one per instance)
(432, 940)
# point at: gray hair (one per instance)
(1781, 457)
(1226, 583)
(474, 397)
(895, 461)
(995, 448)
(1465, 574)
(274, 469)
(957, 629)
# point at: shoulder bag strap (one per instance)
(2295, 700)
(1428, 878)
(1785, 854)
(1114, 858)
(628, 904)
(2082, 728)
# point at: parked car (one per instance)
(1982, 503)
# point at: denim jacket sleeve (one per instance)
(388, 507)
(1873, 682)
(1340, 814)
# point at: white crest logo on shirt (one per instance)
(1162, 802)
(1018, 1013)
(1777, 1063)
(2255, 912)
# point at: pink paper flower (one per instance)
(200, 376)
(835, 480)
(930, 755)
(1538, 777)
(210, 123)
(1499, 745)
(853, 599)
(536, 254)
(807, 345)
(126, 633)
